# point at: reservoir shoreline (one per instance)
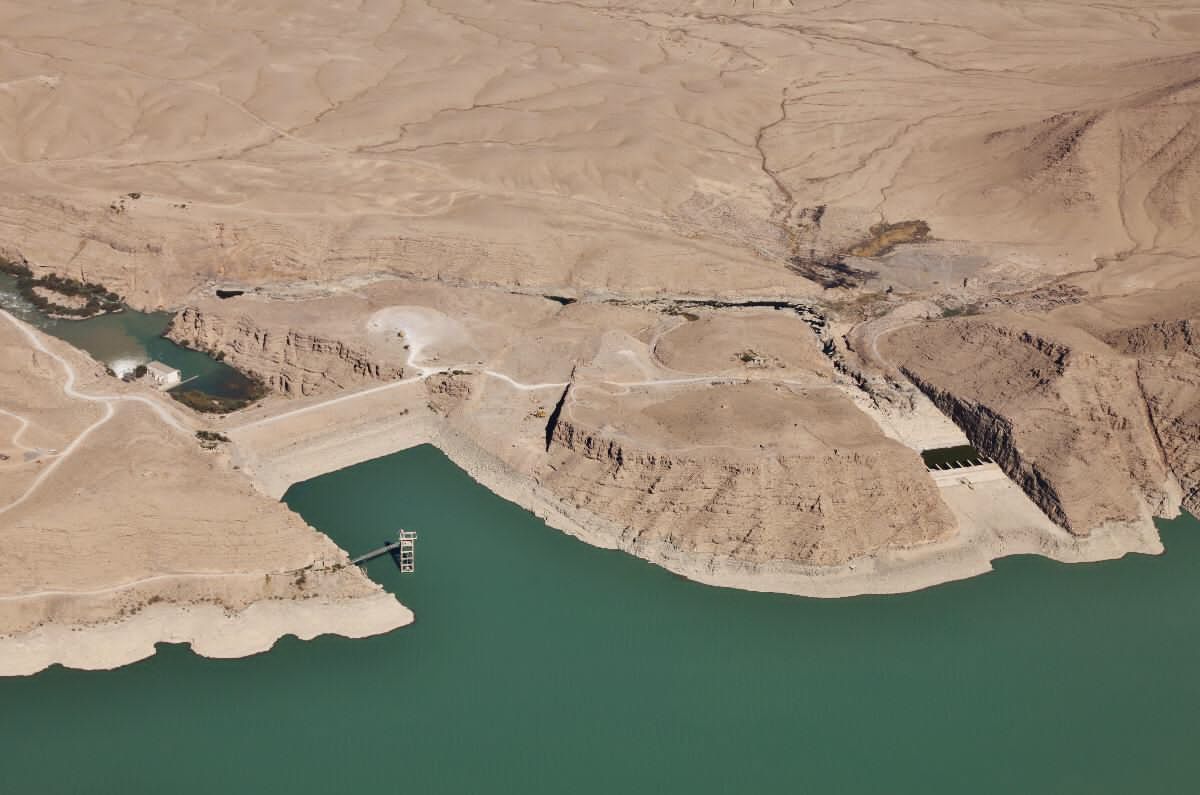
(212, 632)
(407, 421)
(967, 554)
(500, 687)
(234, 599)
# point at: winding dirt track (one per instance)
(69, 389)
(23, 425)
(424, 372)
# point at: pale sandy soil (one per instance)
(131, 534)
(590, 146)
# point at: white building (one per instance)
(162, 376)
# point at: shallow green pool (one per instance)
(541, 665)
(129, 338)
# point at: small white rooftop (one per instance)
(160, 370)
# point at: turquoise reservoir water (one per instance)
(540, 665)
(126, 339)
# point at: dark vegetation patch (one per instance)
(830, 271)
(961, 311)
(1061, 135)
(216, 404)
(809, 314)
(133, 375)
(677, 311)
(223, 294)
(210, 439)
(812, 216)
(97, 299)
(885, 237)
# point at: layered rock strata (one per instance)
(1168, 361)
(1060, 411)
(291, 361)
(780, 489)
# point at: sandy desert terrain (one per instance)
(699, 280)
(119, 530)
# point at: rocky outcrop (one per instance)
(992, 434)
(1168, 354)
(1061, 413)
(289, 360)
(1154, 339)
(1172, 390)
(1157, 330)
(821, 509)
(447, 391)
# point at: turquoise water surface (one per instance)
(541, 665)
(126, 339)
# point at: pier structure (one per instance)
(402, 550)
(405, 554)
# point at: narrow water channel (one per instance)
(126, 339)
(541, 665)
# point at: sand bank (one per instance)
(995, 519)
(210, 630)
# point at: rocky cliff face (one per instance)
(1063, 414)
(820, 509)
(447, 391)
(1168, 354)
(1172, 389)
(992, 433)
(1166, 337)
(289, 360)
(1157, 330)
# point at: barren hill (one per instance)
(585, 145)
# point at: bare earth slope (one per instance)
(585, 145)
